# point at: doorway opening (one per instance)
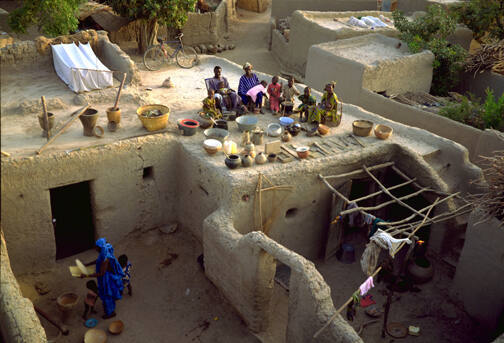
(72, 219)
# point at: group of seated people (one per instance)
(251, 92)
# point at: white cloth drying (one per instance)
(386, 241)
(373, 21)
(79, 67)
(357, 22)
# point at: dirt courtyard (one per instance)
(172, 302)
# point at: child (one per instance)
(274, 91)
(307, 101)
(126, 267)
(288, 94)
(225, 95)
(256, 93)
(209, 108)
(90, 300)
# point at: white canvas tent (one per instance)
(79, 67)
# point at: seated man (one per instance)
(215, 84)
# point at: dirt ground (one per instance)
(170, 303)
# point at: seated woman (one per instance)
(209, 108)
(214, 84)
(307, 102)
(247, 81)
(327, 109)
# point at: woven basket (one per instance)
(154, 123)
(362, 127)
(383, 131)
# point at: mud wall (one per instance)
(18, 321)
(24, 52)
(350, 90)
(306, 30)
(122, 200)
(208, 27)
(478, 83)
(285, 8)
(117, 60)
(258, 6)
(479, 276)
(243, 268)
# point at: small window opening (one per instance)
(148, 172)
(291, 212)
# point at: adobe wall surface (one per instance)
(478, 83)
(122, 201)
(309, 28)
(350, 90)
(480, 272)
(385, 67)
(258, 6)
(285, 8)
(18, 321)
(23, 52)
(208, 27)
(115, 59)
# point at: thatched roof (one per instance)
(102, 15)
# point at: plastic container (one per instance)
(230, 147)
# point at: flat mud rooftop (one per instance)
(175, 301)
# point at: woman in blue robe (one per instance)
(109, 274)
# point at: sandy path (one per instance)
(250, 33)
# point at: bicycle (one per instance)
(156, 55)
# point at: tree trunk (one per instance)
(146, 34)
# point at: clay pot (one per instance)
(294, 130)
(232, 161)
(260, 158)
(114, 115)
(272, 158)
(421, 270)
(286, 136)
(88, 120)
(250, 149)
(43, 125)
(221, 124)
(303, 152)
(188, 127)
(247, 161)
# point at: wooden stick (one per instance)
(64, 330)
(46, 117)
(372, 275)
(67, 124)
(390, 194)
(380, 192)
(406, 177)
(260, 201)
(289, 152)
(359, 171)
(119, 92)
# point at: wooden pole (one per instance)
(359, 171)
(385, 316)
(46, 117)
(119, 92)
(68, 123)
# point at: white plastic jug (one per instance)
(230, 147)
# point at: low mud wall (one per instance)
(285, 8)
(117, 60)
(308, 28)
(18, 321)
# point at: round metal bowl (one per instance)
(218, 134)
(246, 123)
(274, 130)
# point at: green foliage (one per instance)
(429, 32)
(489, 115)
(52, 17)
(172, 13)
(482, 16)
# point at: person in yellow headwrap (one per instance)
(327, 109)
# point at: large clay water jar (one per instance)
(232, 161)
(88, 120)
(43, 123)
(114, 115)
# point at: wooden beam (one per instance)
(380, 192)
(382, 205)
(360, 171)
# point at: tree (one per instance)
(429, 32)
(53, 17)
(150, 13)
(482, 16)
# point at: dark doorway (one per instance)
(72, 219)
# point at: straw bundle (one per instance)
(492, 202)
(44, 44)
(488, 57)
